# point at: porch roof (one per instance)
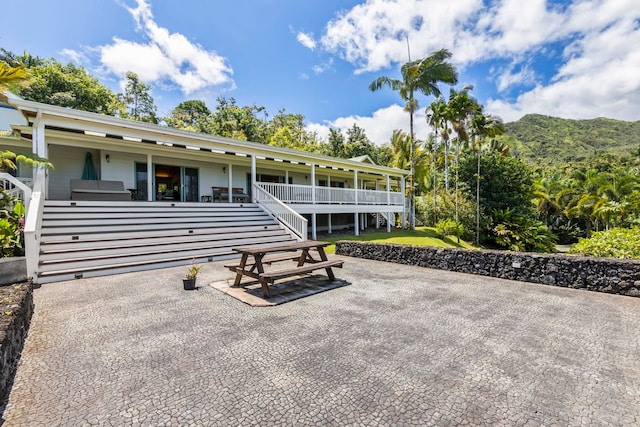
(114, 128)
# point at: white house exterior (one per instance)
(306, 192)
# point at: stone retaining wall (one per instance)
(615, 276)
(16, 309)
(13, 270)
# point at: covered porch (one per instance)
(159, 164)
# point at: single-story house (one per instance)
(126, 186)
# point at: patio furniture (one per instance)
(238, 195)
(87, 189)
(306, 263)
(221, 194)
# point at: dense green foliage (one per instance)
(616, 243)
(11, 226)
(430, 212)
(136, 100)
(449, 227)
(551, 140)
(68, 86)
(505, 182)
(518, 231)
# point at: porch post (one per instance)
(39, 147)
(230, 182)
(313, 186)
(404, 201)
(329, 223)
(150, 178)
(355, 186)
(388, 204)
(356, 225)
(377, 213)
(253, 173)
(314, 234)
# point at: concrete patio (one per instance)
(398, 346)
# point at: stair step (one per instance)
(93, 238)
(58, 276)
(94, 244)
(177, 232)
(81, 265)
(139, 227)
(126, 249)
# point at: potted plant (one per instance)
(189, 282)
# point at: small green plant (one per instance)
(11, 226)
(193, 270)
(449, 227)
(616, 243)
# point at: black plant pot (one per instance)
(189, 284)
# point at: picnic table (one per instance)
(255, 267)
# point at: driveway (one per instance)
(398, 346)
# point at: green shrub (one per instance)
(446, 209)
(449, 227)
(615, 243)
(11, 226)
(513, 231)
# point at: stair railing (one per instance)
(15, 187)
(290, 219)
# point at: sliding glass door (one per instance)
(171, 183)
(190, 188)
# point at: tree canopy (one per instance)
(137, 100)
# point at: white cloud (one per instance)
(324, 67)
(514, 75)
(600, 78)
(306, 40)
(166, 57)
(378, 127)
(598, 73)
(73, 55)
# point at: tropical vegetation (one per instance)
(616, 243)
(519, 186)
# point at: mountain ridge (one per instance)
(545, 139)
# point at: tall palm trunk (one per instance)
(478, 200)
(435, 182)
(446, 165)
(457, 185)
(412, 199)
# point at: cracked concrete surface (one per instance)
(399, 346)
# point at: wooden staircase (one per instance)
(89, 238)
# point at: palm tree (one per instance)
(423, 76)
(545, 198)
(484, 127)
(460, 109)
(581, 197)
(615, 191)
(401, 155)
(436, 115)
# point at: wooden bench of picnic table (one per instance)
(269, 255)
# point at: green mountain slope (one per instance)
(551, 140)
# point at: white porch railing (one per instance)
(17, 187)
(291, 193)
(283, 213)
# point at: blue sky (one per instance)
(573, 59)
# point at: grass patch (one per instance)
(421, 236)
